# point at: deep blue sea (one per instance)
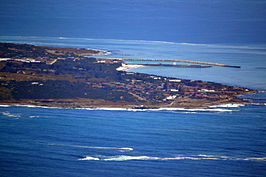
(217, 142)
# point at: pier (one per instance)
(173, 60)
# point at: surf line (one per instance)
(192, 157)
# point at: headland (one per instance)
(68, 77)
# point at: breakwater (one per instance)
(173, 60)
(175, 65)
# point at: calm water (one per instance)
(196, 21)
(228, 141)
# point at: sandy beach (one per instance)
(126, 67)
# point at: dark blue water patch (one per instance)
(186, 21)
(260, 68)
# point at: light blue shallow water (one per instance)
(251, 57)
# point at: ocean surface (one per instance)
(224, 141)
(218, 142)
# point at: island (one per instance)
(72, 77)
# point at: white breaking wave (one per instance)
(35, 106)
(34, 116)
(8, 114)
(105, 52)
(3, 105)
(122, 149)
(228, 105)
(159, 109)
(253, 158)
(179, 110)
(193, 157)
(198, 110)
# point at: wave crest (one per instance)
(178, 110)
(193, 157)
(12, 115)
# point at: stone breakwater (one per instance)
(173, 60)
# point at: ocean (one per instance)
(225, 141)
(228, 140)
(70, 142)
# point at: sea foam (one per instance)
(159, 109)
(192, 157)
(35, 106)
(4, 105)
(178, 110)
(9, 114)
(230, 105)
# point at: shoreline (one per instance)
(214, 108)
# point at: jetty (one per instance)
(175, 65)
(172, 60)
